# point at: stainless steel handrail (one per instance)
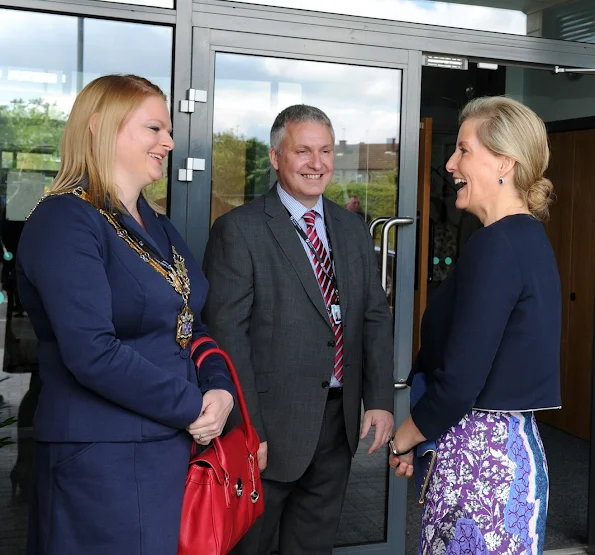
(376, 222)
(384, 246)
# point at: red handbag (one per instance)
(223, 495)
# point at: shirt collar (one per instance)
(295, 207)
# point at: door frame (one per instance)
(207, 44)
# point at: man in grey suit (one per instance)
(296, 301)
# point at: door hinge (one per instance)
(192, 164)
(192, 96)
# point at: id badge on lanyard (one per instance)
(336, 313)
(335, 309)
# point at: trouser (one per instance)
(306, 512)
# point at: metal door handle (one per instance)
(401, 384)
(384, 246)
(376, 222)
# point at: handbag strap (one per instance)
(250, 431)
(201, 341)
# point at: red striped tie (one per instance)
(324, 274)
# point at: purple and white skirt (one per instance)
(489, 490)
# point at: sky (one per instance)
(38, 54)
(363, 102)
(447, 14)
(38, 58)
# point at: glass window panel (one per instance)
(364, 104)
(154, 3)
(462, 15)
(45, 59)
(572, 20)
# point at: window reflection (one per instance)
(572, 20)
(155, 3)
(250, 91)
(45, 60)
(430, 12)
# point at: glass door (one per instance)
(365, 100)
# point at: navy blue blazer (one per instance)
(490, 336)
(110, 366)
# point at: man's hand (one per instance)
(261, 455)
(216, 406)
(383, 421)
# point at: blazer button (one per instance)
(331, 343)
(325, 384)
(185, 353)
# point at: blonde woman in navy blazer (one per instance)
(120, 403)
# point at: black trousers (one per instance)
(306, 512)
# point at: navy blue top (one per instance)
(110, 366)
(490, 336)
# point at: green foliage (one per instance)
(378, 197)
(257, 168)
(33, 130)
(241, 171)
(240, 167)
(4, 441)
(157, 191)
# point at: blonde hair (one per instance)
(509, 128)
(90, 157)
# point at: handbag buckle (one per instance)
(239, 488)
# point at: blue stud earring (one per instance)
(501, 180)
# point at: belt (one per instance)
(335, 393)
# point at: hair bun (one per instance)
(539, 197)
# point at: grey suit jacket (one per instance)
(265, 309)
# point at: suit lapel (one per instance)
(340, 248)
(285, 234)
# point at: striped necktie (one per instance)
(325, 276)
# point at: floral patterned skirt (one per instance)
(489, 490)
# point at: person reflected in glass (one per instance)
(114, 296)
(353, 205)
(490, 349)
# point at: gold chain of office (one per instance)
(176, 276)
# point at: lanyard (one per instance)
(303, 235)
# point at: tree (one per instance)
(30, 133)
(240, 171)
(378, 197)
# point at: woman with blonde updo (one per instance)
(490, 347)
